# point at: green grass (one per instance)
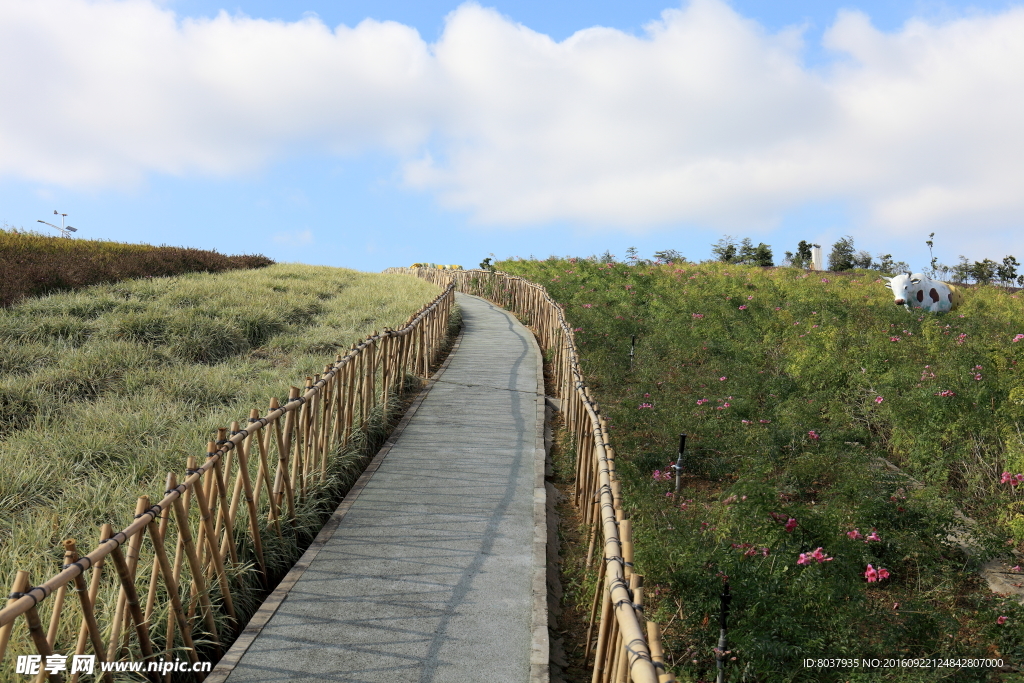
(780, 402)
(104, 390)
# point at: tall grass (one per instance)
(106, 389)
(792, 387)
(34, 264)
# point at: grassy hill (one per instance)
(106, 389)
(35, 264)
(795, 388)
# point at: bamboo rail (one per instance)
(217, 527)
(628, 647)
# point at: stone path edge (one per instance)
(540, 656)
(269, 606)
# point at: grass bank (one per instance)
(106, 389)
(34, 265)
(792, 387)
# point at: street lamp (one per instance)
(65, 230)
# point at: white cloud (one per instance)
(295, 238)
(705, 119)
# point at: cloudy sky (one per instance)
(369, 134)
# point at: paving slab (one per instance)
(432, 570)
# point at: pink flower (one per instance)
(855, 534)
(1006, 478)
(825, 279)
(1015, 568)
(977, 377)
(1001, 620)
(588, 305)
(764, 421)
(698, 315)
(814, 435)
(878, 399)
(894, 339)
(1018, 338)
(656, 475)
(946, 392)
(818, 555)
(725, 405)
(645, 405)
(752, 296)
(873, 536)
(721, 379)
(743, 307)
(778, 308)
(883, 573)
(871, 575)
(702, 401)
(791, 524)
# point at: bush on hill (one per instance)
(35, 264)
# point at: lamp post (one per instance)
(65, 230)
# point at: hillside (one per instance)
(105, 390)
(794, 388)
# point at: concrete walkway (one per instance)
(432, 569)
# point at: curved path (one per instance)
(433, 567)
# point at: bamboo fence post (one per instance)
(126, 574)
(155, 573)
(658, 653)
(185, 534)
(263, 445)
(120, 618)
(226, 513)
(604, 632)
(302, 439)
(593, 612)
(89, 630)
(282, 467)
(171, 584)
(20, 585)
(339, 405)
(206, 519)
(58, 606)
(35, 629)
(293, 449)
(250, 503)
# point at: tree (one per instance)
(802, 257)
(934, 261)
(1007, 272)
(632, 256)
(762, 256)
(486, 265)
(962, 270)
(607, 257)
(841, 257)
(889, 267)
(983, 271)
(669, 256)
(862, 259)
(725, 249)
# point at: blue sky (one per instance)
(507, 128)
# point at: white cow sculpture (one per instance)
(919, 291)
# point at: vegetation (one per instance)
(105, 390)
(35, 264)
(832, 435)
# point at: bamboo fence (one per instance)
(627, 647)
(219, 517)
